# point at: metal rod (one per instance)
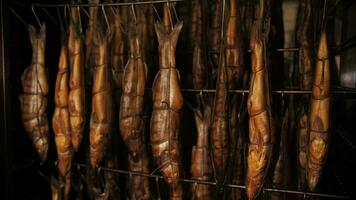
(214, 183)
(107, 4)
(274, 91)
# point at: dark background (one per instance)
(19, 165)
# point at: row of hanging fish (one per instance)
(221, 153)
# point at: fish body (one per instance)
(167, 103)
(35, 90)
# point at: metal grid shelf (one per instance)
(234, 186)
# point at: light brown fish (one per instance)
(101, 119)
(201, 168)
(76, 104)
(261, 134)
(167, 103)
(132, 123)
(319, 115)
(34, 96)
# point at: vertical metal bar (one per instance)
(5, 170)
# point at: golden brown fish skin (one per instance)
(76, 104)
(102, 104)
(61, 121)
(117, 56)
(219, 128)
(201, 162)
(167, 103)
(132, 121)
(319, 115)
(259, 110)
(34, 96)
(234, 50)
(215, 32)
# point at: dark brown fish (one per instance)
(237, 149)
(279, 175)
(319, 115)
(35, 89)
(199, 66)
(76, 102)
(117, 53)
(101, 119)
(258, 106)
(220, 128)
(305, 41)
(215, 30)
(132, 123)
(91, 33)
(305, 71)
(167, 103)
(201, 162)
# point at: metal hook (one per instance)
(134, 12)
(157, 186)
(13, 11)
(34, 13)
(49, 15)
(106, 18)
(100, 176)
(79, 20)
(157, 15)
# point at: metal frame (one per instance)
(109, 4)
(5, 166)
(233, 186)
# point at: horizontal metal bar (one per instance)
(130, 173)
(108, 4)
(347, 92)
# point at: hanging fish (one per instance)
(132, 123)
(201, 162)
(319, 115)
(101, 119)
(35, 89)
(167, 103)
(61, 121)
(234, 49)
(219, 127)
(261, 133)
(76, 104)
(199, 66)
(117, 53)
(305, 70)
(215, 30)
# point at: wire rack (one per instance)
(211, 183)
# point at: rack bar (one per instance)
(130, 173)
(353, 92)
(107, 4)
